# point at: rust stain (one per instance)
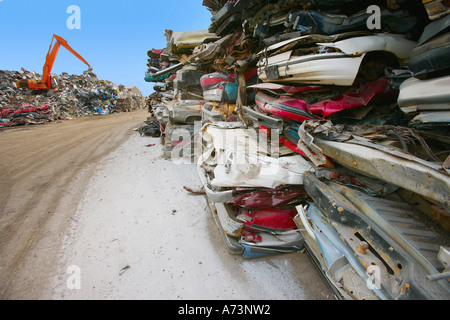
(404, 288)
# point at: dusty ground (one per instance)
(74, 194)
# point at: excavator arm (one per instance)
(46, 83)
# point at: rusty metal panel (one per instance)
(408, 174)
(376, 243)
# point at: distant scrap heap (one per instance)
(76, 96)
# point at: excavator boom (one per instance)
(46, 83)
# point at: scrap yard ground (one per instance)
(92, 195)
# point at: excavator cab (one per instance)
(37, 85)
(47, 82)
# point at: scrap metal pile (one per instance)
(320, 125)
(76, 95)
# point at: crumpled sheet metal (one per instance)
(421, 95)
(214, 5)
(395, 43)
(436, 8)
(182, 41)
(288, 241)
(267, 198)
(283, 105)
(225, 92)
(330, 69)
(214, 111)
(386, 163)
(406, 247)
(338, 259)
(396, 239)
(398, 21)
(338, 68)
(306, 41)
(429, 119)
(258, 222)
(241, 240)
(431, 59)
(237, 162)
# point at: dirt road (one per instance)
(44, 170)
(92, 193)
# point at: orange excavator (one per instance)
(46, 83)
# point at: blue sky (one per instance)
(114, 37)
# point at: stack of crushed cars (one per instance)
(128, 99)
(75, 96)
(325, 128)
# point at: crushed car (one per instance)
(322, 135)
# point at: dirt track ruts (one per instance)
(43, 171)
